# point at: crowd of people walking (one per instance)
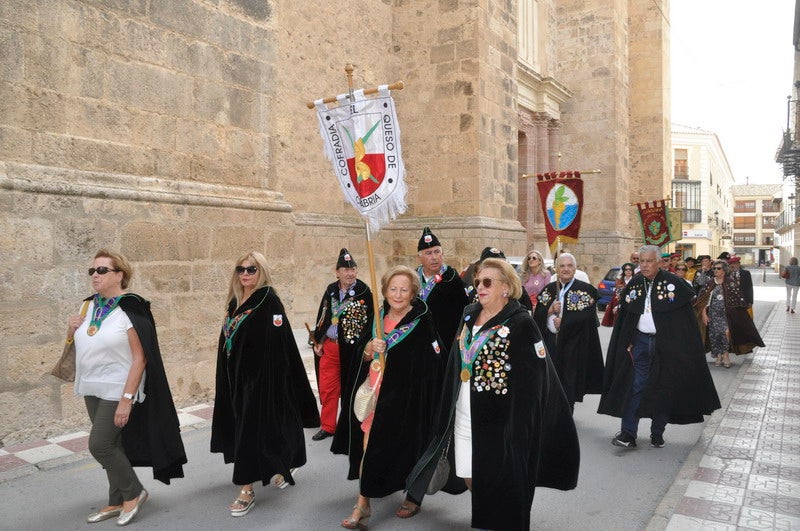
(442, 386)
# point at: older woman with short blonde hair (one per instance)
(400, 427)
(120, 375)
(501, 407)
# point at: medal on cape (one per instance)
(469, 349)
(102, 309)
(427, 287)
(338, 308)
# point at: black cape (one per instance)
(680, 384)
(263, 396)
(409, 394)
(746, 285)
(576, 350)
(351, 328)
(520, 440)
(744, 336)
(152, 436)
(446, 301)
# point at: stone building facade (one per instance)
(176, 132)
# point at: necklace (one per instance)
(469, 348)
(102, 308)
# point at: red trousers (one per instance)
(329, 384)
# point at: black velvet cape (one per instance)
(680, 383)
(409, 394)
(746, 285)
(520, 440)
(744, 336)
(152, 436)
(353, 325)
(263, 396)
(576, 350)
(446, 301)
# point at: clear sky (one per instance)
(732, 68)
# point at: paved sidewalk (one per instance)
(748, 475)
(42, 454)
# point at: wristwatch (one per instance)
(129, 396)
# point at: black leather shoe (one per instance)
(321, 434)
(624, 439)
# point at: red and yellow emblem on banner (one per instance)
(561, 197)
(654, 217)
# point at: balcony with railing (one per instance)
(768, 205)
(785, 220)
(692, 215)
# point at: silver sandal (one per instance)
(244, 505)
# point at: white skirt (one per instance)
(462, 434)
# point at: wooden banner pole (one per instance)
(582, 172)
(397, 85)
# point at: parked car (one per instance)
(605, 288)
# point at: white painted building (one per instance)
(755, 213)
(701, 187)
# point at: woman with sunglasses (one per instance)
(504, 424)
(724, 322)
(625, 275)
(120, 374)
(681, 271)
(263, 398)
(535, 275)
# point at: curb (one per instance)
(674, 494)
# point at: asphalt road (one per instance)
(618, 489)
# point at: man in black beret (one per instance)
(441, 287)
(341, 321)
(703, 274)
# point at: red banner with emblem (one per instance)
(561, 197)
(654, 217)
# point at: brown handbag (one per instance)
(65, 366)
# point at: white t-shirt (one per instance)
(103, 361)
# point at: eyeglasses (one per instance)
(717, 267)
(627, 269)
(102, 270)
(680, 269)
(487, 282)
(533, 258)
(250, 270)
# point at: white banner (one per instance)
(362, 141)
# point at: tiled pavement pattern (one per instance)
(42, 450)
(749, 476)
(25, 458)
